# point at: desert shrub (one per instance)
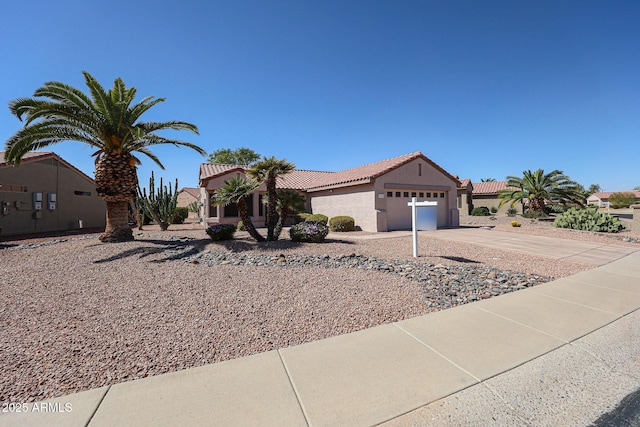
(309, 231)
(480, 211)
(512, 212)
(342, 223)
(179, 215)
(240, 226)
(494, 209)
(300, 217)
(555, 208)
(621, 200)
(221, 231)
(588, 220)
(534, 214)
(319, 218)
(516, 224)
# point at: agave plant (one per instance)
(106, 120)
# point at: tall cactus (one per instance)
(161, 205)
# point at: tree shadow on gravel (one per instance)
(172, 249)
(461, 259)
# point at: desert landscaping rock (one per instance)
(79, 314)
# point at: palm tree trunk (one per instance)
(246, 221)
(284, 214)
(271, 209)
(117, 229)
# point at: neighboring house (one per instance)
(375, 195)
(601, 199)
(186, 196)
(46, 193)
(487, 194)
(465, 196)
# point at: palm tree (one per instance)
(488, 180)
(288, 201)
(236, 190)
(537, 187)
(105, 120)
(268, 170)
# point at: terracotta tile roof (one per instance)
(301, 179)
(195, 192)
(208, 170)
(33, 156)
(464, 182)
(492, 187)
(368, 172)
(604, 195)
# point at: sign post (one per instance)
(424, 219)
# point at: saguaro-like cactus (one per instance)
(159, 205)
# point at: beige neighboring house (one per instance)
(188, 195)
(487, 194)
(46, 193)
(601, 199)
(375, 195)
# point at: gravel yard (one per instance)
(78, 314)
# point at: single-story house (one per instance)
(484, 194)
(375, 195)
(46, 193)
(188, 195)
(601, 199)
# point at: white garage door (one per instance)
(399, 214)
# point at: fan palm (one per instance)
(289, 201)
(105, 120)
(268, 170)
(236, 190)
(537, 187)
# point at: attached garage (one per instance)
(399, 213)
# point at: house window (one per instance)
(419, 169)
(230, 210)
(213, 208)
(428, 194)
(260, 204)
(442, 195)
(13, 188)
(82, 193)
(397, 194)
(421, 194)
(414, 194)
(405, 194)
(389, 193)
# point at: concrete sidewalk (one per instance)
(561, 353)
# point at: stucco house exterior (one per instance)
(186, 196)
(601, 199)
(375, 195)
(46, 193)
(486, 194)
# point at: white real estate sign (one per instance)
(424, 216)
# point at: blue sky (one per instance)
(483, 88)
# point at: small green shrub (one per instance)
(534, 214)
(300, 217)
(480, 211)
(555, 208)
(342, 223)
(179, 215)
(221, 231)
(588, 220)
(512, 212)
(494, 209)
(318, 217)
(309, 231)
(621, 200)
(240, 226)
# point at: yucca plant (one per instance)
(160, 205)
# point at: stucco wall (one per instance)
(211, 185)
(76, 199)
(356, 201)
(490, 201)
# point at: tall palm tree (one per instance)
(105, 120)
(537, 187)
(289, 201)
(236, 190)
(268, 170)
